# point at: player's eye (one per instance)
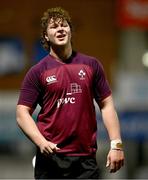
(65, 24)
(53, 26)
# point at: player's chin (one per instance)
(61, 44)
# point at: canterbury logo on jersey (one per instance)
(51, 79)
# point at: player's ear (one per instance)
(46, 37)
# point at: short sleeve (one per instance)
(101, 85)
(30, 89)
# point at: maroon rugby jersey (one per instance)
(65, 92)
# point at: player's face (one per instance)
(58, 32)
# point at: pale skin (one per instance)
(115, 158)
(59, 35)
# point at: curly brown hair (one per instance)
(52, 13)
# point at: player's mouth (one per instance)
(61, 36)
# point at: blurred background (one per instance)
(115, 32)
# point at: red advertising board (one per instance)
(132, 13)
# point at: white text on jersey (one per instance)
(66, 100)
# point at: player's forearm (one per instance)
(28, 126)
(110, 118)
(111, 123)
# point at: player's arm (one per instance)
(28, 126)
(115, 158)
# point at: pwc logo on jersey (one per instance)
(51, 79)
(66, 100)
(70, 99)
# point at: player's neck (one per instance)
(61, 54)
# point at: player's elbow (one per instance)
(21, 113)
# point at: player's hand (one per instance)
(115, 160)
(48, 147)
